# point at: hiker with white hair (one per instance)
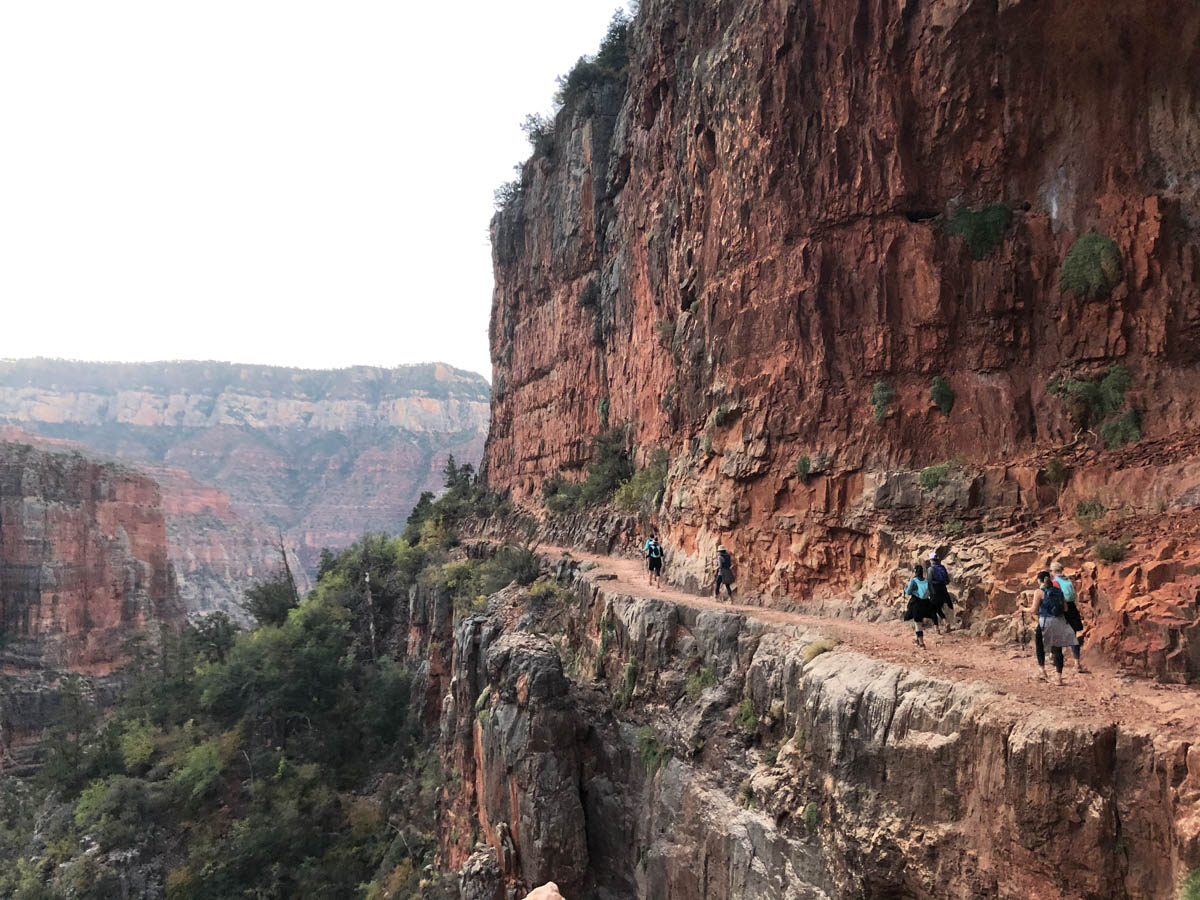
(1071, 614)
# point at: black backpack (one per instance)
(1053, 604)
(654, 551)
(724, 560)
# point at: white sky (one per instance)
(270, 181)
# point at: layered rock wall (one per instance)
(730, 253)
(83, 558)
(321, 456)
(84, 569)
(638, 748)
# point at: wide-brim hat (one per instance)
(720, 546)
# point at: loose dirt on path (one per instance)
(1102, 695)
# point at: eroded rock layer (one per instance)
(729, 253)
(320, 455)
(83, 558)
(625, 747)
(84, 569)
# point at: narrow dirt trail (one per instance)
(1101, 695)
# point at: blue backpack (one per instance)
(1053, 604)
(1067, 588)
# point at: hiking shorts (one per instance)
(654, 563)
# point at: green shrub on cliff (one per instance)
(811, 813)
(1088, 512)
(654, 753)
(1121, 431)
(645, 489)
(881, 396)
(746, 717)
(1092, 267)
(467, 497)
(981, 229)
(609, 467)
(1056, 472)
(933, 477)
(539, 131)
(1111, 551)
(560, 495)
(1091, 402)
(942, 394)
(803, 468)
(610, 65)
(700, 681)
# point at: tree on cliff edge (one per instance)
(269, 601)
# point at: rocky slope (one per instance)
(83, 567)
(784, 213)
(320, 455)
(627, 747)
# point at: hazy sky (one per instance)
(272, 181)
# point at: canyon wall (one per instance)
(83, 558)
(738, 248)
(626, 747)
(84, 567)
(246, 452)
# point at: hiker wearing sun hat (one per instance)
(939, 594)
(724, 572)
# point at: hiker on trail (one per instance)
(1074, 619)
(939, 578)
(654, 560)
(920, 607)
(724, 572)
(1053, 631)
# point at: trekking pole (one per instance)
(1024, 635)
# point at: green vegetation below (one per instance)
(290, 761)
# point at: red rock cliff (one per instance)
(83, 560)
(729, 252)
